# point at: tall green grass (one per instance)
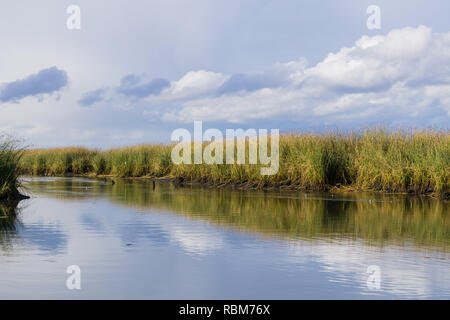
(10, 155)
(376, 159)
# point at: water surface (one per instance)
(136, 240)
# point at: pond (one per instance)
(136, 239)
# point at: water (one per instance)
(135, 241)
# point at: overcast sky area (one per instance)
(136, 70)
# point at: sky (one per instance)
(137, 70)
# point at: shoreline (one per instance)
(251, 186)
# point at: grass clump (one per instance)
(58, 161)
(417, 161)
(10, 155)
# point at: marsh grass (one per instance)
(376, 160)
(10, 155)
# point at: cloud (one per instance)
(92, 97)
(400, 78)
(248, 82)
(132, 86)
(408, 55)
(46, 81)
(196, 83)
(277, 76)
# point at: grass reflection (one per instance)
(8, 224)
(376, 219)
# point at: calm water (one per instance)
(135, 241)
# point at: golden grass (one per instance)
(376, 159)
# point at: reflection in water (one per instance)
(135, 241)
(8, 224)
(131, 233)
(375, 218)
(48, 238)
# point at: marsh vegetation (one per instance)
(371, 160)
(10, 155)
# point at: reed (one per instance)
(376, 160)
(10, 155)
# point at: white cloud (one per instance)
(401, 77)
(377, 62)
(196, 83)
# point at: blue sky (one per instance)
(136, 70)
